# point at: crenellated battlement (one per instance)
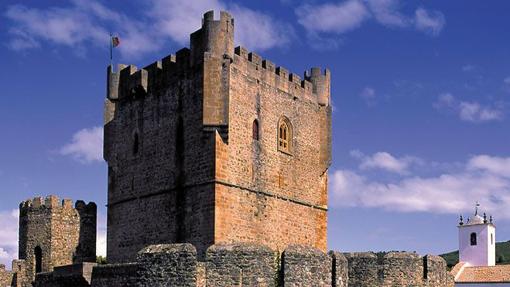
(314, 86)
(54, 202)
(215, 39)
(130, 82)
(50, 202)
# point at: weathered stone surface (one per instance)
(436, 272)
(340, 277)
(6, 277)
(402, 269)
(241, 265)
(76, 275)
(397, 269)
(306, 266)
(167, 265)
(124, 275)
(363, 269)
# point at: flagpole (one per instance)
(111, 53)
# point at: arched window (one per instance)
(255, 130)
(38, 259)
(284, 135)
(136, 143)
(473, 239)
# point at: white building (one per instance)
(477, 255)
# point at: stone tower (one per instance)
(216, 145)
(53, 233)
(477, 241)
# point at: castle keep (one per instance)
(216, 145)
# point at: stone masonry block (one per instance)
(241, 265)
(167, 265)
(306, 266)
(363, 269)
(340, 269)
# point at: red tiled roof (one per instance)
(482, 274)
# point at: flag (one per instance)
(115, 41)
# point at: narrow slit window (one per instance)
(255, 130)
(136, 144)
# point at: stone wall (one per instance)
(255, 265)
(115, 275)
(340, 270)
(6, 277)
(241, 265)
(397, 269)
(167, 265)
(76, 275)
(19, 270)
(261, 189)
(306, 266)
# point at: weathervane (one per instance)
(476, 208)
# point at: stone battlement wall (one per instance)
(396, 269)
(54, 202)
(257, 265)
(49, 202)
(130, 81)
(6, 277)
(315, 87)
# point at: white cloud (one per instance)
(77, 25)
(345, 16)
(86, 145)
(336, 18)
(474, 112)
(8, 236)
(368, 95)
(495, 165)
(177, 19)
(469, 111)
(385, 161)
(386, 12)
(431, 22)
(84, 23)
(258, 31)
(453, 192)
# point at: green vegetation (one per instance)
(100, 260)
(502, 255)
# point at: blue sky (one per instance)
(421, 94)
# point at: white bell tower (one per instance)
(477, 240)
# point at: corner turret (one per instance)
(321, 82)
(215, 37)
